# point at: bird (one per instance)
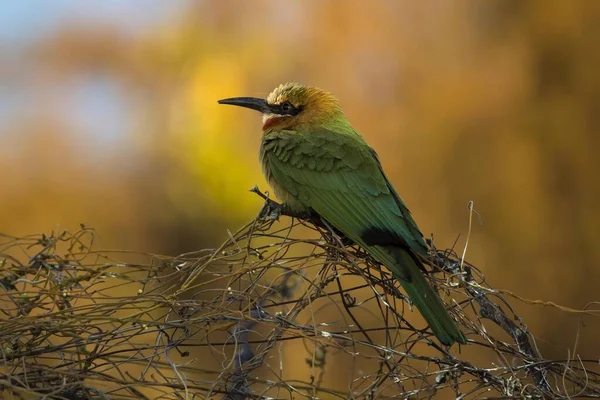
(318, 164)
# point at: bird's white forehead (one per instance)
(281, 93)
(277, 96)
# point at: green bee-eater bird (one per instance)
(317, 162)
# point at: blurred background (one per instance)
(109, 117)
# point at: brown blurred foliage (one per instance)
(496, 102)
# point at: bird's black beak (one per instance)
(248, 102)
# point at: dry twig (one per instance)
(82, 324)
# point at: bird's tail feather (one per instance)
(426, 299)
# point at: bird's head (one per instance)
(293, 106)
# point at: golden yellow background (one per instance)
(113, 122)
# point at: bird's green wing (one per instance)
(339, 177)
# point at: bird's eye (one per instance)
(286, 107)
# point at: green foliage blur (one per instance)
(497, 102)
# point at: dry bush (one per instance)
(79, 323)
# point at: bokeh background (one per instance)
(108, 117)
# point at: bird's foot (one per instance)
(271, 210)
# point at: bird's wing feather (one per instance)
(339, 177)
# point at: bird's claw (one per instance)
(271, 211)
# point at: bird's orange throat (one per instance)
(269, 121)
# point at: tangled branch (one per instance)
(279, 310)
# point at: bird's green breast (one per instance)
(275, 142)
